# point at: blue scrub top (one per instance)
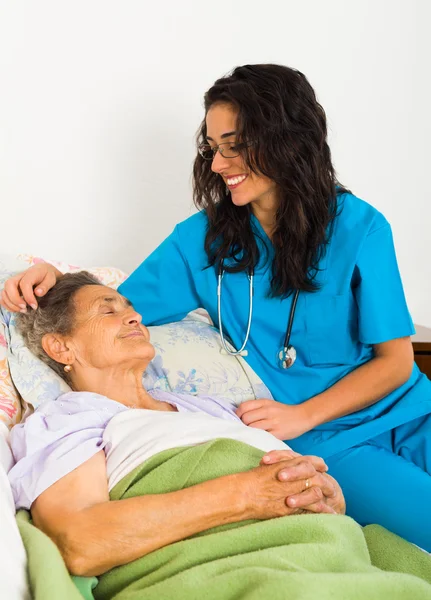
(360, 302)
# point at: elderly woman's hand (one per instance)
(267, 493)
(300, 468)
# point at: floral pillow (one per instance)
(188, 358)
(10, 404)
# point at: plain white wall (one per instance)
(100, 101)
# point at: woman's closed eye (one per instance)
(112, 305)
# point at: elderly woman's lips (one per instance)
(134, 334)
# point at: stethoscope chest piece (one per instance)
(286, 357)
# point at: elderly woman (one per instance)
(114, 474)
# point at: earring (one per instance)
(227, 191)
(68, 368)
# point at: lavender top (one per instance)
(63, 434)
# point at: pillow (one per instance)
(10, 402)
(188, 358)
(109, 276)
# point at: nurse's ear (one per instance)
(58, 348)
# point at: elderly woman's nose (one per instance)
(133, 318)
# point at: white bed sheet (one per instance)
(13, 560)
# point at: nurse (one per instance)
(273, 212)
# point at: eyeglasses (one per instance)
(226, 149)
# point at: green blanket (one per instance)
(301, 557)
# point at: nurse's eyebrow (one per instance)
(223, 135)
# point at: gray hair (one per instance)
(55, 314)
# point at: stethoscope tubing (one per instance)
(291, 317)
(242, 351)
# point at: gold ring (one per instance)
(307, 484)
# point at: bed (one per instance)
(25, 383)
(188, 359)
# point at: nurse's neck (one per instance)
(265, 209)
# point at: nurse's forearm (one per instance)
(391, 367)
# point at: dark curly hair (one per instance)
(277, 111)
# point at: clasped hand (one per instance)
(308, 487)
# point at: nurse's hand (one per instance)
(22, 289)
(284, 421)
(299, 467)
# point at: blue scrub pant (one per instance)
(387, 480)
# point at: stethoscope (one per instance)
(287, 354)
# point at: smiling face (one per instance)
(245, 187)
(107, 331)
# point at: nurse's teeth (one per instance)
(236, 180)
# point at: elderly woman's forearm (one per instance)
(113, 533)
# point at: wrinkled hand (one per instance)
(279, 489)
(18, 291)
(332, 494)
(284, 421)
